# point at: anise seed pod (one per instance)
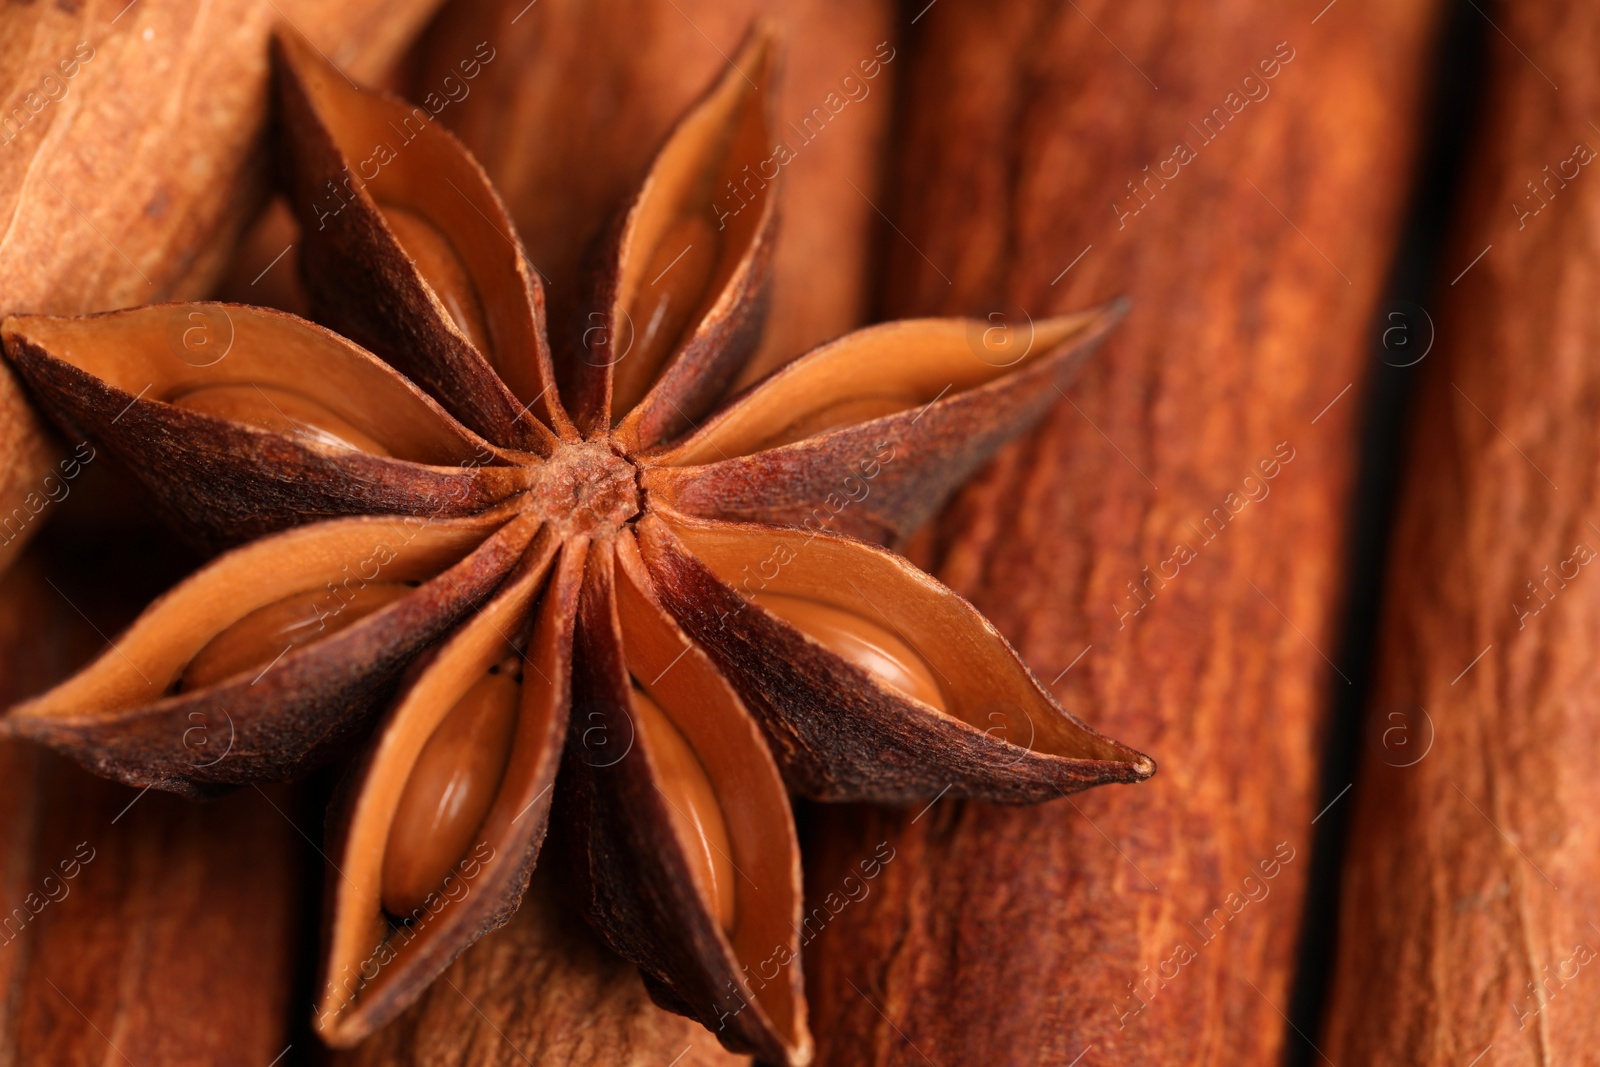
(558, 578)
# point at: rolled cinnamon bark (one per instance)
(1470, 905)
(132, 926)
(1166, 552)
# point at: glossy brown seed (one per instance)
(439, 264)
(869, 646)
(671, 288)
(450, 789)
(271, 631)
(693, 806)
(272, 407)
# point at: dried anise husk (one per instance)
(499, 561)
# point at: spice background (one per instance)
(1281, 534)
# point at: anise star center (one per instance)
(585, 489)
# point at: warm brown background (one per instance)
(995, 935)
(1472, 873)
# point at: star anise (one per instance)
(500, 562)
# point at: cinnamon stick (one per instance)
(1469, 911)
(130, 156)
(1166, 551)
(132, 925)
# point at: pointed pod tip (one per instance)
(285, 40)
(760, 51)
(765, 33)
(13, 327)
(288, 35)
(287, 49)
(296, 52)
(1083, 329)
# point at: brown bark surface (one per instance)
(1468, 927)
(137, 927)
(125, 189)
(130, 156)
(998, 935)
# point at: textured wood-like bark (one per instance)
(162, 931)
(1470, 899)
(176, 939)
(1021, 936)
(124, 186)
(130, 158)
(601, 85)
